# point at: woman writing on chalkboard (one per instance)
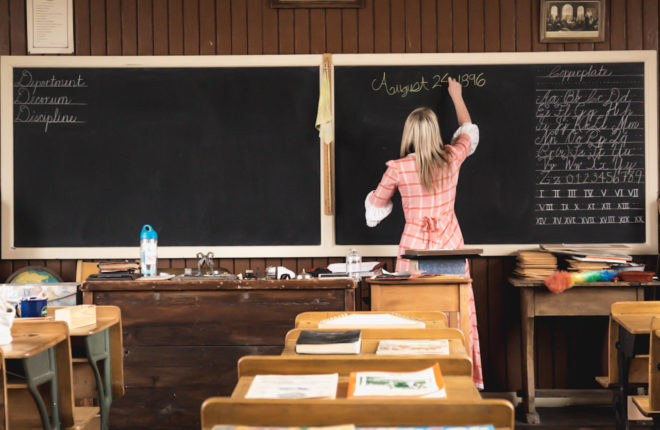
(426, 177)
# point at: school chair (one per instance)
(360, 412)
(102, 344)
(44, 348)
(84, 269)
(649, 405)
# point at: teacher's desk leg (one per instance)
(527, 313)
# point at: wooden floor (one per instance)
(578, 418)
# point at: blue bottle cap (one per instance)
(148, 232)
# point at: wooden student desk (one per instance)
(371, 337)
(627, 320)
(102, 341)
(44, 349)
(431, 319)
(446, 293)
(583, 299)
(360, 412)
(456, 371)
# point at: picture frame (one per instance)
(316, 3)
(572, 21)
(49, 26)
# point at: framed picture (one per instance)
(316, 3)
(49, 26)
(572, 21)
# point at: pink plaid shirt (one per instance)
(430, 218)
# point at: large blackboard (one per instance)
(215, 156)
(561, 156)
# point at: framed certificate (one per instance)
(50, 26)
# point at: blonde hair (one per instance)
(421, 134)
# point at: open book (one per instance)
(371, 320)
(322, 386)
(413, 347)
(422, 383)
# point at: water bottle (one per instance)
(148, 250)
(353, 264)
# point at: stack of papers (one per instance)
(413, 347)
(535, 265)
(371, 320)
(322, 386)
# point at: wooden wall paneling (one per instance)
(97, 27)
(291, 264)
(543, 329)
(128, 27)
(40, 263)
(17, 29)
(317, 31)
(560, 357)
(301, 31)
(382, 40)
(497, 322)
(605, 45)
(429, 26)
(81, 27)
(223, 27)
(163, 263)
(207, 27)
(398, 26)
(19, 264)
(459, 13)
(240, 265)
(6, 269)
(286, 32)
(178, 263)
(239, 37)
(536, 37)
(175, 26)
(258, 265)
(68, 270)
(304, 263)
(635, 27)
(366, 27)
(333, 31)
(570, 46)
(507, 25)
(226, 263)
(271, 43)
(319, 262)
(617, 14)
(145, 27)
(349, 27)
(523, 25)
(191, 27)
(479, 274)
(191, 263)
(413, 26)
(255, 27)
(445, 22)
(650, 24)
(161, 32)
(492, 25)
(476, 25)
(5, 28)
(55, 266)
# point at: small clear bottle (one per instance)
(353, 264)
(148, 251)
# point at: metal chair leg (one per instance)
(40, 369)
(98, 349)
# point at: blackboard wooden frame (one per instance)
(649, 58)
(328, 246)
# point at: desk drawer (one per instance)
(583, 301)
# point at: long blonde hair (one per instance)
(421, 134)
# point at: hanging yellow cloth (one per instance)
(324, 114)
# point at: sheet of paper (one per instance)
(293, 386)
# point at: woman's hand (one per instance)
(455, 89)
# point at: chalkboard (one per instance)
(215, 156)
(561, 157)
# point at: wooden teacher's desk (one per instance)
(182, 339)
(447, 293)
(583, 299)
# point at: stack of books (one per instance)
(329, 342)
(535, 265)
(589, 258)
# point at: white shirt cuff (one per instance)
(471, 130)
(373, 214)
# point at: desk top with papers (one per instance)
(431, 319)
